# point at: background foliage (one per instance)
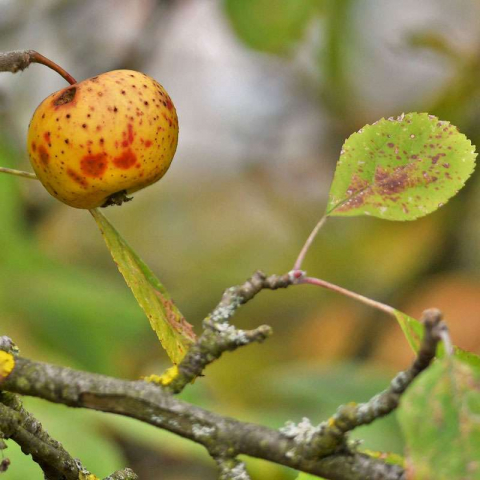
(265, 97)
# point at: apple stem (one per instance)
(39, 58)
(18, 173)
(19, 60)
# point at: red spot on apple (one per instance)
(44, 156)
(34, 147)
(148, 144)
(126, 160)
(169, 103)
(94, 165)
(77, 178)
(46, 136)
(130, 133)
(167, 118)
(128, 136)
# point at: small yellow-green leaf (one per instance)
(440, 417)
(414, 331)
(401, 168)
(174, 332)
(307, 476)
(387, 457)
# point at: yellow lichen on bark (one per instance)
(7, 363)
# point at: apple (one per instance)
(98, 140)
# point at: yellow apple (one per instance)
(93, 142)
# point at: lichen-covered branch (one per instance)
(218, 335)
(56, 463)
(236, 296)
(231, 469)
(351, 416)
(156, 406)
(22, 427)
(125, 474)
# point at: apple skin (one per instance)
(113, 133)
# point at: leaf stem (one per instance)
(348, 293)
(18, 173)
(308, 243)
(19, 60)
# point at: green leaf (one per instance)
(401, 168)
(387, 457)
(307, 476)
(270, 28)
(414, 331)
(440, 418)
(175, 333)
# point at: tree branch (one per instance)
(231, 469)
(156, 406)
(219, 336)
(322, 450)
(126, 474)
(351, 416)
(56, 463)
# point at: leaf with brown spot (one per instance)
(440, 417)
(174, 332)
(401, 168)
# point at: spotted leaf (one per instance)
(440, 417)
(401, 168)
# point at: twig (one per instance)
(20, 59)
(153, 405)
(236, 296)
(219, 336)
(22, 428)
(19, 173)
(216, 339)
(351, 416)
(125, 474)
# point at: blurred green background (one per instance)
(266, 92)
